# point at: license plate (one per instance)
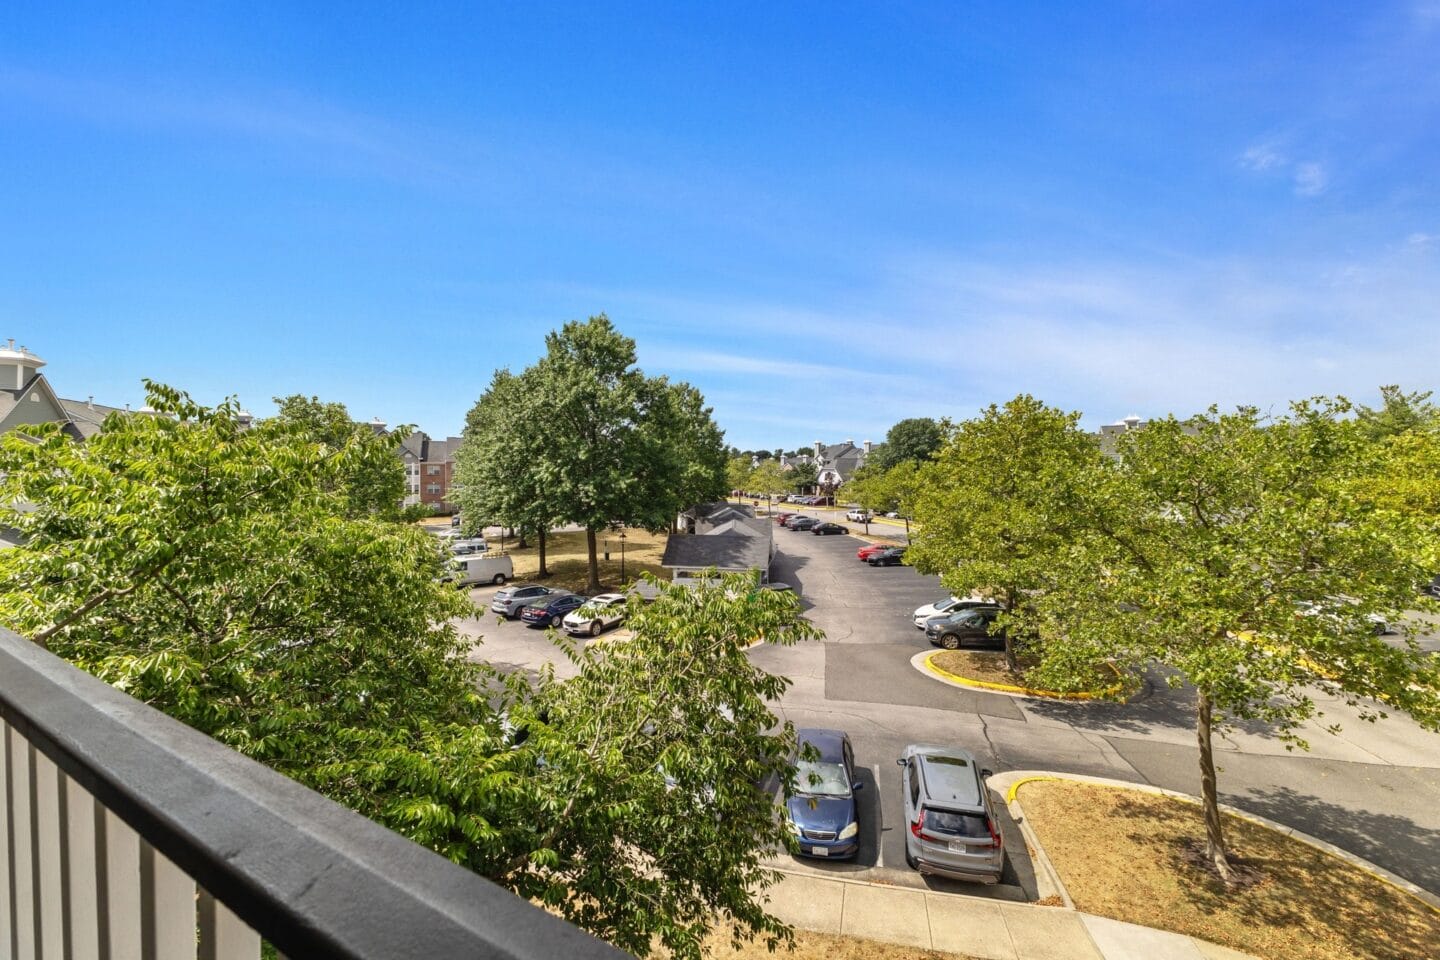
(958, 847)
(820, 851)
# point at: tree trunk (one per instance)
(540, 543)
(520, 532)
(594, 585)
(1214, 834)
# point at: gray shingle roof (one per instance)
(726, 552)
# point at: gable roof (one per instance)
(32, 404)
(87, 415)
(727, 552)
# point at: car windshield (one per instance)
(820, 779)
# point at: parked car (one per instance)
(952, 830)
(784, 515)
(601, 613)
(1333, 608)
(828, 529)
(511, 600)
(550, 611)
(889, 557)
(822, 811)
(801, 523)
(948, 605)
(972, 626)
(1432, 589)
(467, 545)
(468, 571)
(858, 516)
(870, 549)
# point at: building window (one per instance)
(432, 488)
(433, 470)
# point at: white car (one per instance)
(600, 613)
(948, 605)
(858, 516)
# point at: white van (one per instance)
(477, 569)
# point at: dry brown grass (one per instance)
(565, 555)
(1123, 854)
(823, 946)
(986, 666)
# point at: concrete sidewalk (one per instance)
(973, 926)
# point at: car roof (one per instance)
(827, 742)
(608, 597)
(950, 774)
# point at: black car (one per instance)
(551, 610)
(827, 529)
(802, 523)
(892, 557)
(963, 627)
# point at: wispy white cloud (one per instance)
(1310, 179)
(1261, 157)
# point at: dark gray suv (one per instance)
(951, 828)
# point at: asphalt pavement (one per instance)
(1373, 790)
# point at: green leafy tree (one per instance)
(1229, 548)
(737, 472)
(803, 475)
(768, 478)
(687, 441)
(598, 402)
(642, 783)
(995, 505)
(1399, 412)
(498, 474)
(373, 479)
(214, 573)
(915, 439)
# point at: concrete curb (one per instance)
(1008, 781)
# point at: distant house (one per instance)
(1110, 433)
(723, 537)
(837, 462)
(429, 469)
(27, 399)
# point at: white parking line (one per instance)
(880, 828)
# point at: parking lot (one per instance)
(859, 679)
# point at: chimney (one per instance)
(818, 448)
(1132, 421)
(90, 401)
(867, 447)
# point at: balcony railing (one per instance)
(125, 834)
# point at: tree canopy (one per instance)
(1399, 412)
(215, 573)
(913, 440)
(583, 436)
(372, 481)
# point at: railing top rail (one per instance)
(312, 877)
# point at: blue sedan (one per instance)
(550, 611)
(822, 811)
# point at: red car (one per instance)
(870, 548)
(782, 517)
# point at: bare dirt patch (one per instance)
(824, 946)
(985, 666)
(1128, 855)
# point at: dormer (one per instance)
(17, 366)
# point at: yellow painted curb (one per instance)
(1015, 787)
(1004, 687)
(1238, 814)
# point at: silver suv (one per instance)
(951, 827)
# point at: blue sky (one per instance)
(828, 217)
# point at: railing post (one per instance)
(7, 843)
(82, 919)
(50, 889)
(19, 756)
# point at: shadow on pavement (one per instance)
(1406, 848)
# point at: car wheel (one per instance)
(950, 642)
(498, 579)
(555, 620)
(595, 628)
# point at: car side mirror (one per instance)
(857, 785)
(986, 774)
(900, 761)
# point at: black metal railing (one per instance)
(124, 833)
